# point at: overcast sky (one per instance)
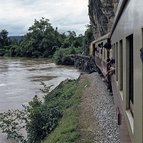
(17, 15)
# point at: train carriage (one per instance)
(126, 38)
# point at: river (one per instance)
(20, 80)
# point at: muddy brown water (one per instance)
(20, 80)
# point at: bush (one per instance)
(38, 118)
(2, 52)
(36, 54)
(42, 121)
(66, 60)
(58, 56)
(62, 56)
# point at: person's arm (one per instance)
(112, 71)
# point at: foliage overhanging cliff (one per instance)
(101, 14)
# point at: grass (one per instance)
(67, 98)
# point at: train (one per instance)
(126, 36)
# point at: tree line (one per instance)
(44, 41)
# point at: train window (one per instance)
(121, 64)
(113, 51)
(116, 61)
(104, 54)
(93, 46)
(130, 72)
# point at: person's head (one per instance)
(108, 44)
(108, 60)
(112, 61)
(108, 65)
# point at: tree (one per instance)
(41, 39)
(4, 40)
(88, 35)
(88, 38)
(69, 40)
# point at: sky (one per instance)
(16, 16)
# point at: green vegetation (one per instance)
(88, 35)
(37, 118)
(67, 130)
(74, 44)
(62, 56)
(42, 120)
(56, 118)
(42, 40)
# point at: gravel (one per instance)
(103, 116)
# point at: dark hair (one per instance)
(108, 60)
(108, 40)
(112, 61)
(109, 64)
(108, 44)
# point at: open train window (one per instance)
(94, 49)
(121, 63)
(116, 61)
(113, 51)
(130, 72)
(103, 52)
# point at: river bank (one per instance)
(85, 112)
(21, 79)
(93, 118)
(56, 117)
(68, 127)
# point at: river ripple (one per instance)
(20, 80)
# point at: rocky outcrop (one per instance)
(101, 14)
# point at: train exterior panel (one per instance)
(127, 40)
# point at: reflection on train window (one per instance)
(130, 72)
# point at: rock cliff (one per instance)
(101, 14)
